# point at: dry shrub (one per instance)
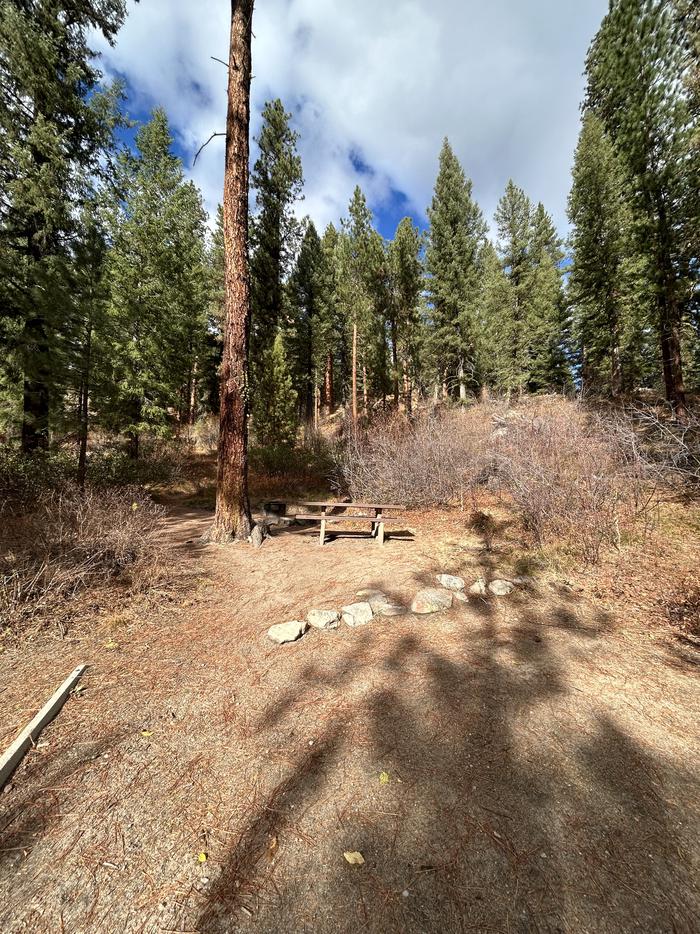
(574, 477)
(72, 540)
(432, 459)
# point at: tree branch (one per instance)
(194, 161)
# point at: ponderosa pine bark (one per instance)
(233, 520)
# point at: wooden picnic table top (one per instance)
(354, 505)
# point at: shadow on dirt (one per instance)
(484, 791)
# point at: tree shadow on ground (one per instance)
(481, 789)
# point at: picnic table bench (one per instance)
(336, 512)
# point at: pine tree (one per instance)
(276, 425)
(330, 357)
(513, 219)
(607, 307)
(158, 288)
(274, 234)
(635, 70)
(50, 138)
(531, 256)
(405, 287)
(360, 258)
(495, 323)
(304, 292)
(233, 520)
(456, 235)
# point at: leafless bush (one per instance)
(72, 540)
(434, 459)
(575, 477)
(670, 448)
(205, 434)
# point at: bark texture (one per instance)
(233, 520)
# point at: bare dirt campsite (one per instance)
(349, 509)
(513, 763)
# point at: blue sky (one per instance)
(374, 87)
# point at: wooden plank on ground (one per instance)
(15, 753)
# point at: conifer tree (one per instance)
(608, 302)
(360, 258)
(274, 235)
(456, 235)
(300, 329)
(330, 357)
(158, 288)
(50, 137)
(405, 287)
(635, 70)
(495, 323)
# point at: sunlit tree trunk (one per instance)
(233, 520)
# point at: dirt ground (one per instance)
(521, 764)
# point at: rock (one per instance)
(431, 600)
(357, 614)
(287, 632)
(323, 619)
(499, 588)
(258, 535)
(451, 582)
(524, 581)
(375, 598)
(460, 595)
(390, 609)
(479, 587)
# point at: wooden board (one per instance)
(15, 753)
(353, 505)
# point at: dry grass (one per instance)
(71, 540)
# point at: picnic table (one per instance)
(337, 512)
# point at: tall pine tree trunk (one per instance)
(395, 361)
(669, 319)
(354, 375)
(84, 408)
(462, 384)
(233, 520)
(35, 401)
(328, 400)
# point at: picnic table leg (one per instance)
(375, 526)
(379, 526)
(322, 536)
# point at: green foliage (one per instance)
(523, 308)
(158, 306)
(607, 284)
(274, 230)
(636, 67)
(53, 129)
(405, 286)
(275, 403)
(456, 236)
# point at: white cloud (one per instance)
(383, 79)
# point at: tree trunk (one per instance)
(395, 361)
(233, 520)
(669, 336)
(193, 394)
(84, 410)
(354, 375)
(407, 392)
(365, 393)
(328, 384)
(462, 384)
(35, 403)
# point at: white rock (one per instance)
(431, 600)
(287, 632)
(323, 619)
(375, 598)
(460, 595)
(499, 588)
(357, 614)
(390, 609)
(479, 587)
(450, 581)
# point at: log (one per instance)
(12, 757)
